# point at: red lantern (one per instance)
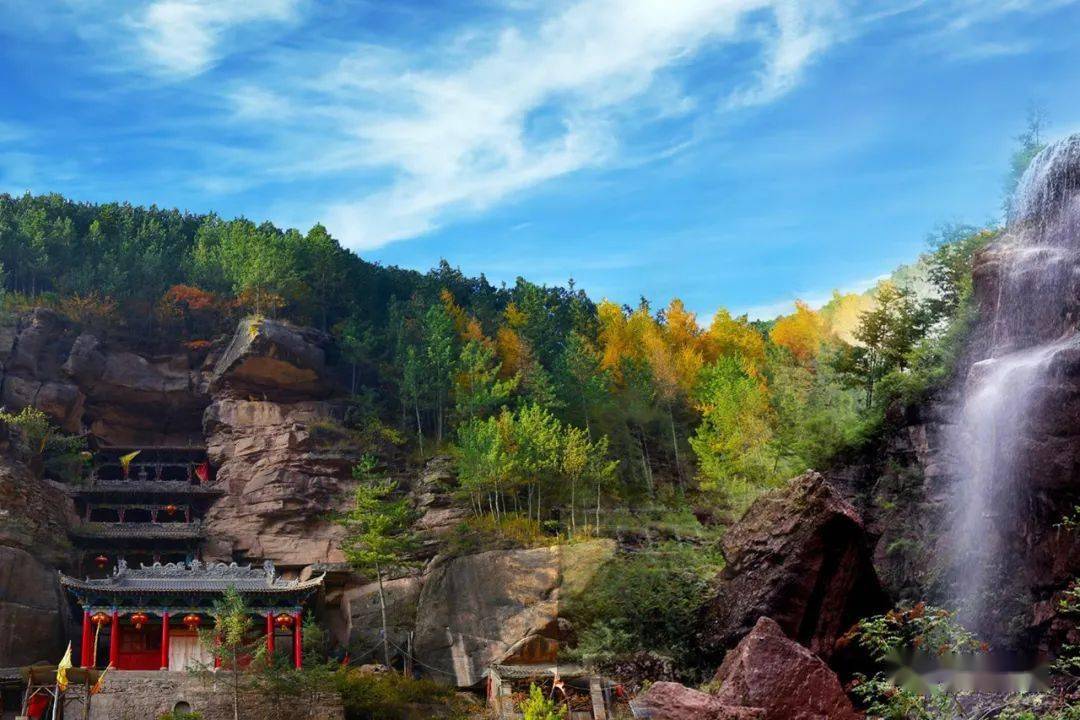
(100, 618)
(283, 621)
(171, 509)
(101, 561)
(139, 619)
(192, 621)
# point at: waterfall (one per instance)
(1028, 294)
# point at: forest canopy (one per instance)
(550, 402)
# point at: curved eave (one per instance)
(83, 586)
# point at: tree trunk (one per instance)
(573, 512)
(419, 429)
(675, 445)
(382, 610)
(597, 509)
(236, 689)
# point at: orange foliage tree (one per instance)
(800, 333)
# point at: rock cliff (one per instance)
(261, 401)
(34, 516)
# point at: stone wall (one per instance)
(131, 695)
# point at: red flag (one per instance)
(203, 472)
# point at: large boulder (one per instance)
(672, 701)
(274, 360)
(363, 613)
(281, 488)
(770, 671)
(498, 606)
(801, 557)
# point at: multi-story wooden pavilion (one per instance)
(148, 509)
(148, 618)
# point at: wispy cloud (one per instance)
(413, 135)
(533, 101)
(186, 37)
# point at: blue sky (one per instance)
(730, 152)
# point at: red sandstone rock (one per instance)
(672, 701)
(770, 671)
(801, 557)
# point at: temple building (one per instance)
(144, 509)
(148, 618)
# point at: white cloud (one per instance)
(462, 137)
(185, 37)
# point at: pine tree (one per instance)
(379, 539)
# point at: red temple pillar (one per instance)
(114, 640)
(270, 634)
(87, 641)
(164, 641)
(298, 640)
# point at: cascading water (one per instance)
(1030, 301)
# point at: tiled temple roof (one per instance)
(195, 577)
(142, 530)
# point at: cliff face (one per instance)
(269, 388)
(89, 385)
(34, 516)
(259, 400)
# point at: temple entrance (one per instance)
(187, 653)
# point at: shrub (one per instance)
(919, 627)
(388, 696)
(538, 707)
(510, 532)
(180, 715)
(644, 601)
(44, 445)
(883, 699)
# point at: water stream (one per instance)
(1035, 273)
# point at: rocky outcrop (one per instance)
(363, 614)
(672, 701)
(85, 384)
(498, 605)
(33, 349)
(274, 360)
(801, 557)
(768, 670)
(133, 399)
(34, 516)
(281, 489)
(433, 499)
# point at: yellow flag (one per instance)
(100, 681)
(62, 668)
(125, 460)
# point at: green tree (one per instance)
(231, 643)
(538, 707)
(43, 443)
(379, 539)
(438, 359)
(323, 272)
(477, 388)
(885, 338)
(733, 440)
(581, 384)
